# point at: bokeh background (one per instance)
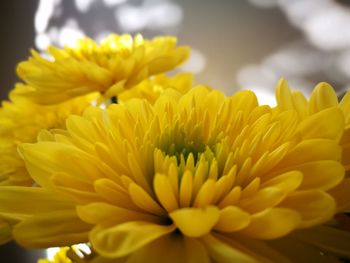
(235, 44)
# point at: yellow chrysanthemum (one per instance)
(194, 178)
(323, 98)
(120, 62)
(21, 121)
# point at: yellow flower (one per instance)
(21, 121)
(194, 178)
(323, 98)
(119, 63)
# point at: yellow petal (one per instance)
(97, 213)
(44, 158)
(196, 252)
(120, 240)
(114, 193)
(206, 194)
(314, 206)
(142, 199)
(232, 219)
(312, 150)
(231, 198)
(272, 223)
(341, 194)
(284, 96)
(172, 245)
(345, 107)
(58, 228)
(322, 175)
(287, 182)
(195, 222)
(77, 189)
(322, 97)
(326, 124)
(164, 192)
(186, 188)
(224, 253)
(14, 199)
(328, 239)
(265, 198)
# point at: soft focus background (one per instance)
(235, 44)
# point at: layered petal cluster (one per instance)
(195, 178)
(118, 63)
(323, 99)
(21, 121)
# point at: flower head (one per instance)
(195, 178)
(118, 63)
(21, 120)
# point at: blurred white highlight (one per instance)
(84, 5)
(81, 250)
(152, 16)
(113, 2)
(69, 34)
(43, 15)
(196, 62)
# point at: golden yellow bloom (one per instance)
(194, 178)
(21, 121)
(323, 98)
(119, 63)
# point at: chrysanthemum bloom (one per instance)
(21, 121)
(194, 178)
(323, 98)
(119, 63)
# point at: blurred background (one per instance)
(237, 44)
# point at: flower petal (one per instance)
(232, 219)
(314, 206)
(312, 150)
(315, 126)
(341, 194)
(224, 253)
(15, 199)
(196, 251)
(195, 222)
(265, 198)
(121, 240)
(165, 193)
(327, 238)
(322, 175)
(287, 182)
(322, 97)
(97, 213)
(58, 228)
(272, 223)
(143, 200)
(172, 245)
